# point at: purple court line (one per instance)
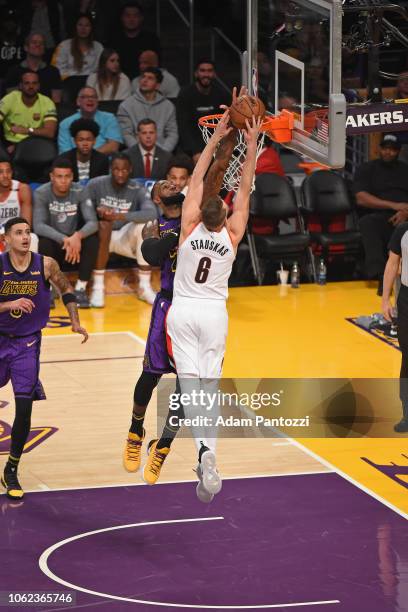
(94, 359)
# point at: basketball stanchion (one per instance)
(278, 127)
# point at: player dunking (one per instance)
(24, 310)
(197, 321)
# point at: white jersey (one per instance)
(204, 264)
(10, 207)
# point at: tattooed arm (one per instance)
(53, 273)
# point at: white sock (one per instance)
(80, 285)
(99, 279)
(198, 431)
(144, 279)
(211, 386)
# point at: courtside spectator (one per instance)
(50, 79)
(27, 113)
(109, 81)
(145, 103)
(381, 190)
(169, 87)
(123, 208)
(201, 98)
(148, 159)
(132, 38)
(15, 201)
(66, 225)
(109, 137)
(79, 55)
(86, 162)
(179, 172)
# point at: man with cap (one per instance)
(381, 190)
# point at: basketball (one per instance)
(245, 108)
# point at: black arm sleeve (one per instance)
(155, 250)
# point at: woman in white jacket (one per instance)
(79, 55)
(109, 82)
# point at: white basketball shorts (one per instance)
(198, 332)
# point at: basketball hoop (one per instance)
(277, 127)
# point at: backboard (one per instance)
(294, 62)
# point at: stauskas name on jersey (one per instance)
(209, 245)
(25, 287)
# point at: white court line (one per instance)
(281, 443)
(350, 479)
(136, 337)
(43, 564)
(168, 482)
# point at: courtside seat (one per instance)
(329, 214)
(274, 199)
(33, 158)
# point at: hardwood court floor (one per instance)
(274, 332)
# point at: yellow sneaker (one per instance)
(155, 460)
(133, 451)
(10, 482)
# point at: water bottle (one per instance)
(321, 273)
(295, 276)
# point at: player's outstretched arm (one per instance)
(191, 205)
(237, 222)
(215, 175)
(53, 273)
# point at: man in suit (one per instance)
(148, 159)
(87, 163)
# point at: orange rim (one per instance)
(284, 120)
(278, 127)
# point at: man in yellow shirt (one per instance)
(27, 113)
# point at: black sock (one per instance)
(141, 397)
(20, 429)
(136, 425)
(12, 464)
(170, 429)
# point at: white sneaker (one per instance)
(210, 478)
(97, 297)
(146, 294)
(203, 495)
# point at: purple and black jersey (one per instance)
(29, 284)
(168, 268)
(156, 359)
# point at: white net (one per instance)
(233, 173)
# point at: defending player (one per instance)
(197, 321)
(159, 248)
(24, 310)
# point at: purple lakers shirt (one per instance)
(29, 284)
(156, 359)
(168, 268)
